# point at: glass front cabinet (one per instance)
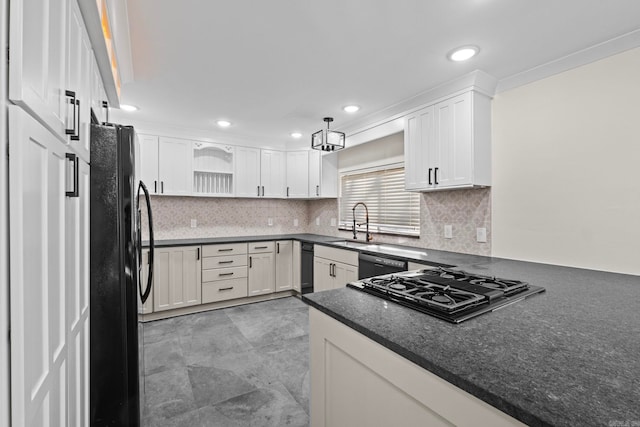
(213, 166)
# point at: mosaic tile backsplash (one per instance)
(465, 210)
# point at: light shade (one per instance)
(463, 53)
(327, 139)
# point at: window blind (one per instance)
(391, 208)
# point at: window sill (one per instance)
(414, 234)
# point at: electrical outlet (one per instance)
(448, 231)
(318, 221)
(295, 222)
(481, 235)
(270, 222)
(333, 222)
(194, 223)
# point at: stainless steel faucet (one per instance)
(366, 219)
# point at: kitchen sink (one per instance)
(379, 247)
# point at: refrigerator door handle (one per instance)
(145, 295)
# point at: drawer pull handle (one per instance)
(225, 274)
(225, 250)
(225, 289)
(261, 247)
(225, 262)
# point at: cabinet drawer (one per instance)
(224, 290)
(223, 273)
(339, 255)
(260, 247)
(224, 249)
(224, 261)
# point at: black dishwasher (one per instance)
(375, 265)
(307, 268)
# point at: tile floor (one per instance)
(239, 366)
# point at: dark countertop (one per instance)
(566, 357)
(311, 238)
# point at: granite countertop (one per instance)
(311, 238)
(567, 357)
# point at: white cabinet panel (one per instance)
(247, 172)
(298, 174)
(261, 273)
(174, 166)
(177, 277)
(297, 266)
(272, 173)
(284, 265)
(149, 162)
(323, 174)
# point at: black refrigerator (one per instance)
(116, 384)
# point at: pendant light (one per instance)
(326, 139)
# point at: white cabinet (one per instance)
(49, 282)
(297, 266)
(298, 174)
(333, 268)
(247, 172)
(147, 307)
(261, 268)
(166, 165)
(284, 265)
(50, 67)
(212, 169)
(272, 174)
(99, 103)
(448, 144)
(177, 277)
(323, 174)
(149, 161)
(224, 272)
(356, 381)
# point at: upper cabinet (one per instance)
(323, 175)
(247, 172)
(166, 165)
(149, 162)
(273, 181)
(50, 68)
(298, 174)
(213, 169)
(448, 145)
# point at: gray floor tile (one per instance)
(199, 348)
(265, 328)
(213, 385)
(168, 393)
(163, 355)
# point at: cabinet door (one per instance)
(247, 172)
(452, 152)
(297, 266)
(418, 135)
(149, 162)
(37, 43)
(261, 274)
(174, 166)
(284, 265)
(298, 174)
(98, 95)
(314, 173)
(344, 273)
(78, 66)
(323, 174)
(177, 277)
(147, 307)
(272, 174)
(322, 274)
(38, 289)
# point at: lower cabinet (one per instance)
(261, 268)
(333, 268)
(177, 277)
(224, 272)
(297, 266)
(357, 382)
(147, 307)
(284, 265)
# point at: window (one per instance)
(391, 208)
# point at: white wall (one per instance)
(566, 168)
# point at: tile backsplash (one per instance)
(464, 210)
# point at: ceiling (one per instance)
(277, 66)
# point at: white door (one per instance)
(37, 37)
(273, 179)
(322, 274)
(247, 172)
(418, 135)
(175, 166)
(39, 352)
(297, 174)
(314, 173)
(177, 277)
(343, 274)
(452, 150)
(149, 162)
(261, 274)
(284, 265)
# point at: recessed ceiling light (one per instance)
(351, 108)
(126, 107)
(223, 123)
(463, 53)
(296, 134)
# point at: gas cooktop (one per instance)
(447, 293)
